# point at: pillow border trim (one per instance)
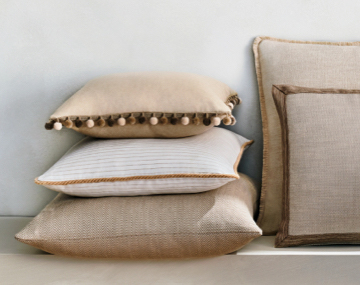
(72, 121)
(283, 239)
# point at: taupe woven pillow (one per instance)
(160, 226)
(321, 158)
(147, 104)
(309, 64)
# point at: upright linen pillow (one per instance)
(159, 226)
(129, 167)
(147, 104)
(308, 64)
(321, 158)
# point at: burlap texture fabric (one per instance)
(151, 94)
(299, 63)
(321, 165)
(147, 227)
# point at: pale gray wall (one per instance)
(49, 49)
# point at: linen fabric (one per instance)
(159, 226)
(130, 167)
(308, 64)
(146, 95)
(321, 165)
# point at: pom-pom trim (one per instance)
(152, 118)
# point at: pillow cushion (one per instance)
(147, 104)
(128, 167)
(159, 226)
(309, 64)
(321, 155)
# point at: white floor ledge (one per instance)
(265, 246)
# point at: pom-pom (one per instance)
(174, 121)
(49, 125)
(206, 121)
(230, 105)
(164, 120)
(78, 123)
(227, 121)
(154, 121)
(131, 120)
(58, 126)
(101, 122)
(90, 123)
(185, 121)
(236, 101)
(111, 122)
(142, 119)
(196, 121)
(233, 120)
(121, 121)
(68, 123)
(216, 121)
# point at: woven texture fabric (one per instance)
(321, 160)
(129, 167)
(150, 92)
(159, 226)
(308, 64)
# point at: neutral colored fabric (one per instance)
(152, 93)
(159, 226)
(308, 64)
(320, 134)
(129, 167)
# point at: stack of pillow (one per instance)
(159, 140)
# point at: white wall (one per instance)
(49, 49)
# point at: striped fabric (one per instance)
(130, 167)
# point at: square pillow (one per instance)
(129, 167)
(321, 158)
(308, 64)
(160, 226)
(147, 104)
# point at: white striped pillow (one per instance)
(130, 167)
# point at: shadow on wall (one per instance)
(248, 117)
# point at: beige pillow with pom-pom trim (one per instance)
(147, 104)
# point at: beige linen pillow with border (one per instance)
(207, 224)
(301, 63)
(321, 186)
(147, 104)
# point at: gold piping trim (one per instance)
(256, 44)
(113, 179)
(261, 38)
(242, 149)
